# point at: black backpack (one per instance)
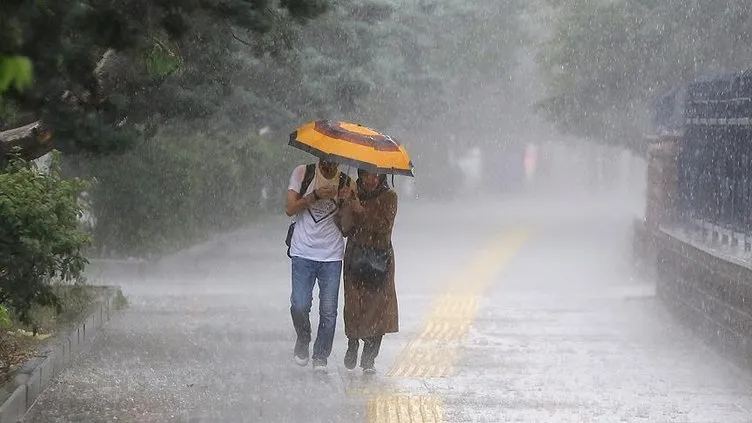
(310, 172)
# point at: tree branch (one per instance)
(33, 140)
(242, 41)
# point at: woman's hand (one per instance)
(355, 205)
(346, 193)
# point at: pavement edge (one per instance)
(35, 374)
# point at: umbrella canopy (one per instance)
(353, 144)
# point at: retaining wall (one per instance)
(709, 293)
(18, 395)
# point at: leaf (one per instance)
(160, 61)
(15, 71)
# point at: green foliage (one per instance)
(604, 61)
(41, 238)
(380, 62)
(74, 301)
(100, 66)
(172, 189)
(160, 62)
(384, 63)
(5, 318)
(121, 301)
(166, 137)
(16, 72)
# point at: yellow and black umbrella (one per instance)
(353, 144)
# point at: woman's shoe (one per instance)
(351, 356)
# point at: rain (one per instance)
(561, 189)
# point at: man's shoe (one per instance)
(301, 353)
(301, 361)
(370, 370)
(319, 364)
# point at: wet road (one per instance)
(509, 311)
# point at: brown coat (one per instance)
(368, 311)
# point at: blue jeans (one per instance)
(304, 275)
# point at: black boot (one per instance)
(351, 356)
(371, 348)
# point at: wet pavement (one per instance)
(509, 311)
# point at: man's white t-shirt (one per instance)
(316, 236)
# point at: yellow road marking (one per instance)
(424, 360)
(433, 353)
(453, 307)
(405, 408)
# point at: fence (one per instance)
(714, 161)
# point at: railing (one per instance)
(714, 163)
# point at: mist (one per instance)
(550, 260)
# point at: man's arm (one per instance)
(297, 203)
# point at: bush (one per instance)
(41, 238)
(172, 190)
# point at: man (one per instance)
(316, 250)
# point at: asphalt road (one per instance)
(510, 311)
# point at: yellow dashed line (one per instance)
(433, 352)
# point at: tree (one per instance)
(385, 63)
(98, 64)
(605, 62)
(167, 123)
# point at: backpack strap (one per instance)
(310, 172)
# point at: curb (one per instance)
(36, 373)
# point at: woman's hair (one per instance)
(382, 186)
(382, 177)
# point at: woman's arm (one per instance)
(345, 219)
(380, 219)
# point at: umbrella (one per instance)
(353, 144)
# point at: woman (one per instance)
(370, 296)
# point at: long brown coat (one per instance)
(369, 311)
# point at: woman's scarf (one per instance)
(365, 195)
